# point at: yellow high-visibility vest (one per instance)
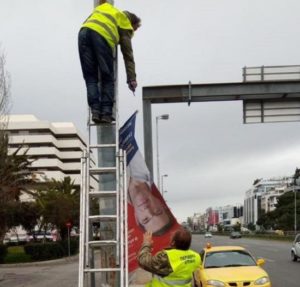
(183, 263)
(105, 20)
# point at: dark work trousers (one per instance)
(96, 57)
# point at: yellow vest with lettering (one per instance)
(105, 20)
(183, 263)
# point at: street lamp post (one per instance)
(295, 182)
(162, 184)
(161, 117)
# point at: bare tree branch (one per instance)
(4, 93)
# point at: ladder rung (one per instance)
(92, 124)
(102, 217)
(102, 145)
(98, 170)
(102, 193)
(102, 269)
(100, 243)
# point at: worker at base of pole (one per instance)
(173, 266)
(99, 35)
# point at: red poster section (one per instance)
(161, 239)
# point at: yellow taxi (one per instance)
(228, 266)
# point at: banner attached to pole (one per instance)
(147, 210)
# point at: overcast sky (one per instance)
(210, 157)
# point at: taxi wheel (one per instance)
(294, 256)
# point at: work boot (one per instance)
(107, 119)
(96, 118)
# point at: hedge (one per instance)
(44, 251)
(74, 246)
(51, 250)
(3, 252)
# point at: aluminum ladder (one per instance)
(103, 254)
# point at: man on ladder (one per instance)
(102, 31)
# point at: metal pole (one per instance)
(148, 144)
(69, 251)
(157, 155)
(295, 201)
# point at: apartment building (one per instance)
(262, 196)
(56, 146)
(229, 212)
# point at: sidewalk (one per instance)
(42, 263)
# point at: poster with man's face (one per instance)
(147, 210)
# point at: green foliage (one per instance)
(251, 226)
(74, 246)
(15, 176)
(220, 227)
(16, 255)
(44, 251)
(3, 252)
(28, 215)
(283, 216)
(237, 227)
(58, 204)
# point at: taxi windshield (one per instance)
(231, 258)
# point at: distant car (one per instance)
(207, 235)
(235, 234)
(16, 238)
(295, 251)
(224, 266)
(41, 236)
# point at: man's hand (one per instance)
(148, 238)
(132, 85)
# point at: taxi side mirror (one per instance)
(260, 262)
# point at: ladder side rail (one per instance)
(87, 202)
(119, 223)
(89, 231)
(82, 220)
(118, 205)
(125, 189)
(121, 216)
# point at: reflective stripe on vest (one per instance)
(111, 18)
(103, 25)
(183, 263)
(173, 282)
(106, 20)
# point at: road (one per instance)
(60, 273)
(283, 272)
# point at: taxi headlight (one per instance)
(215, 283)
(261, 281)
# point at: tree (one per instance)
(16, 176)
(251, 226)
(4, 93)
(14, 168)
(283, 216)
(59, 203)
(28, 215)
(237, 227)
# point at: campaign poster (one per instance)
(147, 210)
